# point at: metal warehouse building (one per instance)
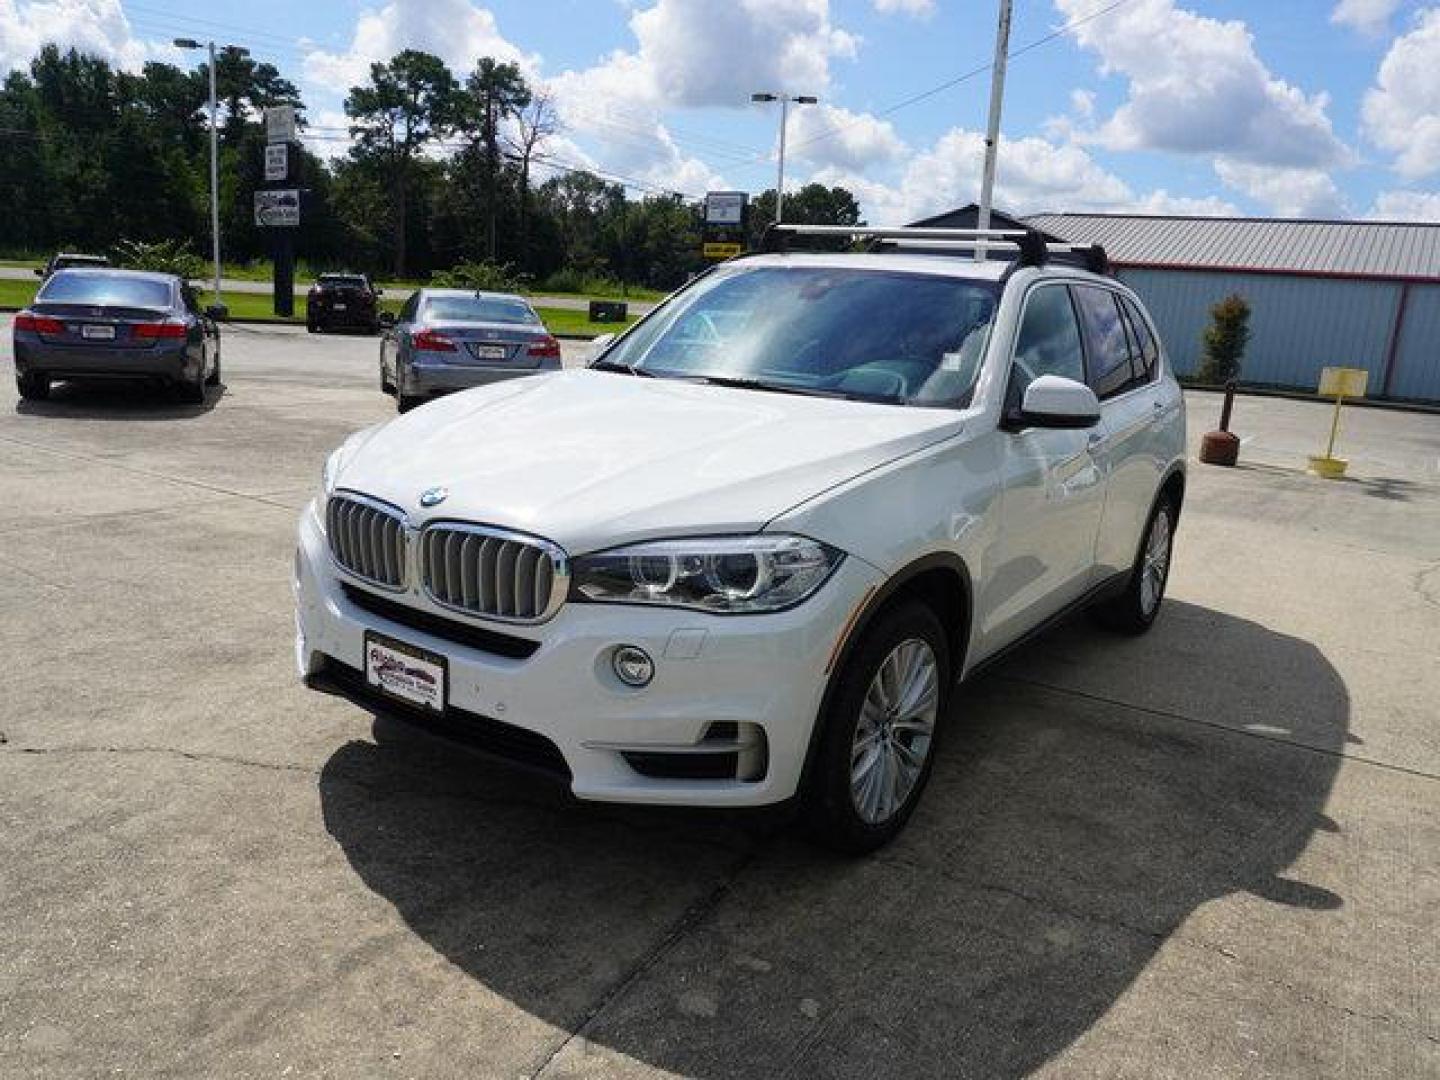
(1322, 293)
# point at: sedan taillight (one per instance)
(430, 341)
(546, 347)
(38, 324)
(156, 331)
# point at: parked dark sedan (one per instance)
(337, 300)
(69, 260)
(116, 324)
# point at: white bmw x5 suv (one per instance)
(746, 555)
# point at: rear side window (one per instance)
(1048, 343)
(1148, 348)
(105, 290)
(1107, 345)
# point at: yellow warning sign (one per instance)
(1343, 381)
(721, 251)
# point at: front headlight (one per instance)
(722, 574)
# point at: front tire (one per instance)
(880, 728)
(33, 386)
(1134, 611)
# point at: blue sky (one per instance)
(1289, 107)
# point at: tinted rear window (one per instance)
(106, 290)
(478, 309)
(343, 281)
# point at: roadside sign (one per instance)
(1343, 381)
(278, 209)
(725, 207)
(721, 251)
(280, 124)
(277, 161)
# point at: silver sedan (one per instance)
(453, 339)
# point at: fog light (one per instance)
(632, 665)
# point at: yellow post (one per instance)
(1341, 382)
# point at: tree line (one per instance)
(441, 171)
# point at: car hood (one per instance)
(591, 460)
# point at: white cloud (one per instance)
(1284, 191)
(98, 27)
(1367, 16)
(917, 8)
(457, 31)
(1033, 174)
(828, 135)
(1406, 206)
(1401, 112)
(1197, 86)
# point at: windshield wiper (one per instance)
(782, 388)
(623, 369)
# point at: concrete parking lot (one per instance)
(1210, 852)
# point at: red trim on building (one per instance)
(1268, 271)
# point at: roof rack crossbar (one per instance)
(883, 232)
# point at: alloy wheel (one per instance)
(895, 731)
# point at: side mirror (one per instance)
(379, 291)
(1053, 401)
(218, 312)
(39, 271)
(387, 319)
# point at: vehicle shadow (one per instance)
(1064, 838)
(118, 400)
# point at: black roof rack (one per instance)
(1019, 247)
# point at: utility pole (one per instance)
(191, 43)
(992, 129)
(785, 100)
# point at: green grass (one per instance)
(17, 294)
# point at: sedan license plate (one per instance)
(407, 673)
(491, 352)
(339, 307)
(97, 333)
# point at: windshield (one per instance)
(106, 290)
(874, 334)
(478, 309)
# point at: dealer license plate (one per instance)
(491, 352)
(407, 673)
(97, 333)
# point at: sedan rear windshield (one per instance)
(867, 333)
(342, 281)
(106, 290)
(478, 309)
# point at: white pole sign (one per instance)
(280, 124)
(724, 207)
(277, 161)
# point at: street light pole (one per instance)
(785, 100)
(191, 43)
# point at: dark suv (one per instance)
(340, 300)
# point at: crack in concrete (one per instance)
(689, 920)
(1213, 726)
(1159, 937)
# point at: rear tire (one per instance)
(405, 402)
(33, 386)
(214, 379)
(193, 392)
(880, 731)
(1134, 611)
(312, 328)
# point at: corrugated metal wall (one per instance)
(1299, 325)
(1417, 362)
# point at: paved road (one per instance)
(570, 303)
(1208, 852)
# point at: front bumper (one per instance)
(760, 671)
(173, 363)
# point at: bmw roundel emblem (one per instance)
(434, 496)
